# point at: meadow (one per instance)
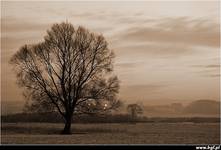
(112, 133)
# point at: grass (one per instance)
(112, 133)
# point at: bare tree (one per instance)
(134, 110)
(69, 72)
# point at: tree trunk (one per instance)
(67, 127)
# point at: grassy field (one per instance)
(140, 133)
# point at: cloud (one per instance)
(16, 25)
(207, 66)
(198, 32)
(131, 92)
(153, 49)
(212, 66)
(214, 75)
(212, 70)
(146, 87)
(127, 64)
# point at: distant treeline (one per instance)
(108, 118)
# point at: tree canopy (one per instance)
(71, 71)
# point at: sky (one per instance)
(166, 51)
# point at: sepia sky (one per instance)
(166, 51)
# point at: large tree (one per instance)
(70, 71)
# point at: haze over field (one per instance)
(199, 108)
(165, 51)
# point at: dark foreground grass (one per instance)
(112, 133)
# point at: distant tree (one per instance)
(69, 72)
(134, 110)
